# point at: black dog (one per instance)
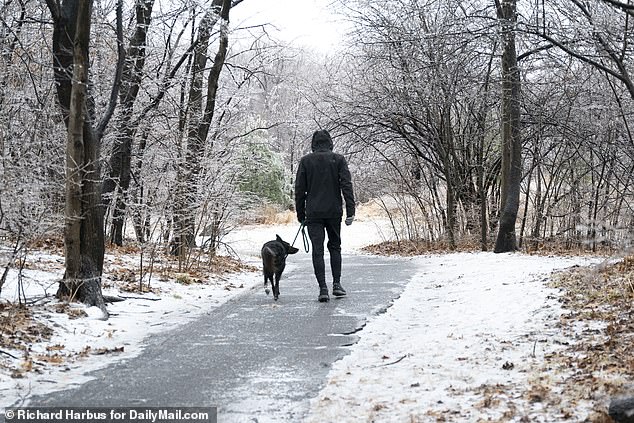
(274, 255)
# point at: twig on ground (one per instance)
(9, 354)
(112, 299)
(37, 299)
(138, 298)
(393, 362)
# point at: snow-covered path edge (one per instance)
(83, 345)
(460, 344)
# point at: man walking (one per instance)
(322, 178)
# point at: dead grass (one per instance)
(414, 248)
(280, 218)
(272, 215)
(269, 215)
(410, 248)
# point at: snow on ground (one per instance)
(248, 241)
(458, 345)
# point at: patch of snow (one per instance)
(465, 323)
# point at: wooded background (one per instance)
(497, 123)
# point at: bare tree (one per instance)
(84, 234)
(511, 174)
(424, 83)
(605, 42)
(199, 121)
(126, 126)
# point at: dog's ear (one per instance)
(277, 237)
(292, 250)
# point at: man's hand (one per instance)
(349, 220)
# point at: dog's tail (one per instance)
(268, 260)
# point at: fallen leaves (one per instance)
(135, 287)
(471, 244)
(51, 358)
(537, 392)
(102, 351)
(18, 328)
(57, 347)
(226, 264)
(72, 311)
(53, 244)
(230, 286)
(23, 328)
(596, 361)
(123, 275)
(413, 248)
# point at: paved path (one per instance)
(255, 359)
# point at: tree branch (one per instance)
(116, 84)
(534, 51)
(581, 57)
(627, 8)
(164, 85)
(54, 7)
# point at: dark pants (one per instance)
(316, 229)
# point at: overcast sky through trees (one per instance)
(311, 23)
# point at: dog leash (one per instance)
(301, 229)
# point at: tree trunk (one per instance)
(198, 124)
(511, 142)
(83, 234)
(119, 177)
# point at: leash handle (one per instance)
(305, 238)
(301, 229)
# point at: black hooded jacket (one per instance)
(322, 178)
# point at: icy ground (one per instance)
(460, 344)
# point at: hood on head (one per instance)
(321, 141)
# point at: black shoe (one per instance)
(337, 290)
(323, 295)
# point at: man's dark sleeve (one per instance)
(345, 182)
(300, 192)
